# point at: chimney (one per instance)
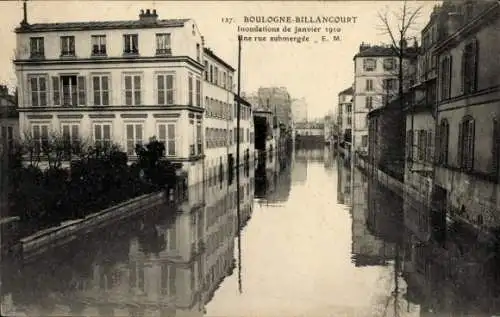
(24, 22)
(363, 47)
(202, 41)
(148, 17)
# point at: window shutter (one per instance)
(471, 134)
(496, 148)
(460, 144)
(476, 64)
(82, 96)
(56, 91)
(450, 76)
(463, 73)
(438, 158)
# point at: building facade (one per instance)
(344, 114)
(375, 84)
(299, 110)
(468, 112)
(277, 100)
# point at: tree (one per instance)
(400, 27)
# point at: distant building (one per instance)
(299, 110)
(9, 117)
(375, 83)
(277, 100)
(344, 114)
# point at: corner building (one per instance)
(114, 82)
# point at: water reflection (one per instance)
(455, 276)
(335, 244)
(154, 265)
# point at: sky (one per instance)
(315, 71)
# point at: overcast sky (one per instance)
(314, 71)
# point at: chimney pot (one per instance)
(142, 11)
(148, 12)
(154, 12)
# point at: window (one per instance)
(192, 141)
(369, 85)
(98, 44)
(71, 137)
(369, 64)
(67, 46)
(446, 66)
(211, 74)
(130, 44)
(466, 143)
(369, 102)
(364, 141)
(37, 47)
(389, 84)
(100, 88)
(206, 70)
(199, 137)
(71, 89)
(495, 148)
(469, 67)
(8, 135)
(409, 145)
(428, 150)
(444, 134)
(198, 52)
(132, 90)
(422, 144)
(230, 82)
(224, 81)
(40, 133)
(348, 108)
(102, 135)
(165, 89)
(198, 92)
(163, 44)
(389, 64)
(38, 91)
(134, 137)
(166, 133)
(190, 89)
(216, 75)
(349, 120)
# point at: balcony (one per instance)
(164, 52)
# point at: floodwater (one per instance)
(315, 238)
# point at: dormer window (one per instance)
(369, 64)
(37, 47)
(389, 64)
(131, 44)
(163, 45)
(67, 46)
(98, 44)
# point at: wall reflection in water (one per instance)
(273, 184)
(452, 278)
(153, 265)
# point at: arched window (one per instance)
(466, 131)
(445, 78)
(469, 67)
(443, 141)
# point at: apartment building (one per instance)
(116, 82)
(219, 115)
(375, 85)
(344, 114)
(468, 114)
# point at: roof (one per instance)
(210, 53)
(242, 101)
(383, 51)
(99, 25)
(348, 91)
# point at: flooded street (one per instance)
(316, 240)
